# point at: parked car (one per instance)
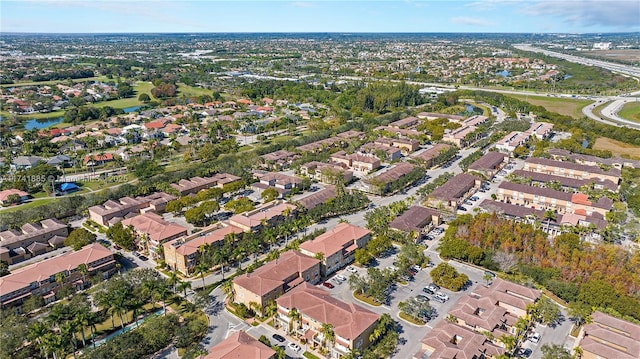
(468, 202)
(278, 337)
(341, 278)
(422, 298)
(328, 285)
(535, 338)
(475, 198)
(117, 247)
(438, 299)
(293, 346)
(143, 258)
(352, 269)
(431, 288)
(489, 273)
(416, 268)
(442, 296)
(460, 208)
(135, 253)
(523, 352)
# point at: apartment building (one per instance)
(114, 211)
(326, 172)
(42, 278)
(183, 254)
(405, 145)
(607, 337)
(313, 200)
(571, 170)
(352, 324)
(460, 137)
(451, 194)
(567, 183)
(405, 122)
(550, 199)
(380, 183)
(416, 219)
(196, 184)
(489, 164)
(277, 160)
(336, 246)
(430, 156)
(152, 231)
(382, 152)
(32, 239)
(240, 345)
(491, 309)
(269, 214)
(281, 182)
(275, 278)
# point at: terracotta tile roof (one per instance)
(539, 191)
(413, 219)
(405, 122)
(432, 152)
(240, 345)
(455, 187)
(276, 273)
(30, 231)
(334, 240)
(255, 218)
(502, 291)
(394, 173)
(448, 340)
(8, 192)
(611, 338)
(565, 181)
(155, 226)
(348, 320)
(41, 271)
(192, 246)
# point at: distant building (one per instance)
(607, 337)
(602, 46)
(451, 194)
(337, 246)
(489, 164)
(32, 239)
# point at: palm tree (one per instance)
(183, 286)
(508, 341)
(36, 332)
(149, 290)
(295, 316)
(384, 323)
(93, 319)
(329, 336)
(173, 279)
(81, 320)
(549, 215)
(270, 309)
(227, 288)
(201, 269)
(257, 308)
(163, 292)
(82, 269)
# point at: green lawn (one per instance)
(54, 82)
(630, 111)
(564, 106)
(190, 91)
(54, 114)
(35, 203)
(366, 299)
(598, 110)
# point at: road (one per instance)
(610, 113)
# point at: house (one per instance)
(405, 145)
(281, 182)
(315, 199)
(327, 173)
(337, 246)
(416, 219)
(275, 278)
(432, 157)
(509, 142)
(383, 153)
(607, 337)
(13, 196)
(550, 199)
(381, 183)
(447, 340)
(405, 122)
(352, 324)
(489, 164)
(98, 159)
(152, 231)
(41, 278)
(59, 161)
(269, 214)
(240, 345)
(571, 170)
(183, 254)
(19, 243)
(24, 162)
(451, 194)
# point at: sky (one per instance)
(500, 16)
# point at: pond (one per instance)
(503, 73)
(131, 109)
(40, 123)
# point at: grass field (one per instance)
(54, 82)
(617, 147)
(630, 111)
(33, 203)
(190, 91)
(563, 106)
(598, 110)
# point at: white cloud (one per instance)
(622, 14)
(466, 20)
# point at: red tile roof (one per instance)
(240, 345)
(334, 240)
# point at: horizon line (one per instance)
(309, 32)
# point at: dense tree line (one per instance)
(62, 75)
(594, 274)
(80, 114)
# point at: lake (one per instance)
(41, 123)
(131, 109)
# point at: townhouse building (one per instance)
(383, 153)
(571, 170)
(337, 247)
(183, 254)
(430, 157)
(326, 172)
(381, 183)
(269, 215)
(607, 337)
(45, 278)
(152, 231)
(453, 193)
(550, 199)
(114, 211)
(313, 200)
(404, 144)
(277, 160)
(567, 183)
(275, 278)
(357, 163)
(416, 219)
(240, 345)
(281, 182)
(352, 324)
(489, 164)
(32, 239)
(196, 184)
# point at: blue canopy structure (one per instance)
(69, 187)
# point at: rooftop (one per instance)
(334, 240)
(455, 187)
(240, 345)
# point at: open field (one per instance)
(628, 55)
(190, 91)
(563, 106)
(617, 147)
(630, 111)
(53, 82)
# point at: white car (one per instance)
(535, 338)
(341, 278)
(293, 346)
(352, 269)
(442, 296)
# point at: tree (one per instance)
(555, 351)
(447, 276)
(227, 288)
(362, 257)
(183, 286)
(269, 194)
(121, 235)
(506, 261)
(125, 90)
(328, 335)
(79, 238)
(144, 98)
(357, 283)
(295, 317)
(548, 311)
(579, 312)
(509, 342)
(201, 269)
